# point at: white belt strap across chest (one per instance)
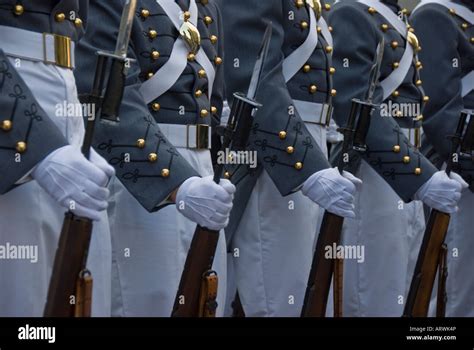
(170, 72)
(467, 15)
(396, 78)
(297, 59)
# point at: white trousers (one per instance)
(390, 232)
(29, 216)
(272, 248)
(150, 250)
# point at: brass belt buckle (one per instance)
(202, 136)
(62, 50)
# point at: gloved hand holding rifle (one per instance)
(196, 296)
(324, 270)
(70, 288)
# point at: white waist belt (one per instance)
(34, 46)
(188, 136)
(315, 113)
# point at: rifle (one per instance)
(70, 287)
(430, 256)
(323, 269)
(442, 296)
(338, 291)
(197, 292)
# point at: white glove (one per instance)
(333, 191)
(102, 164)
(74, 182)
(203, 201)
(442, 192)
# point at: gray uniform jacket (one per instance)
(25, 129)
(150, 180)
(357, 32)
(244, 25)
(448, 59)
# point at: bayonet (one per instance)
(375, 71)
(362, 109)
(259, 64)
(125, 30)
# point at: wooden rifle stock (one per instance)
(419, 295)
(322, 269)
(84, 295)
(208, 296)
(68, 264)
(338, 291)
(198, 262)
(442, 297)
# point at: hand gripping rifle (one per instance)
(197, 292)
(323, 269)
(70, 287)
(433, 252)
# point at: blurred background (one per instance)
(409, 4)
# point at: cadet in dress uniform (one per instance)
(173, 93)
(446, 33)
(394, 172)
(43, 170)
(273, 224)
